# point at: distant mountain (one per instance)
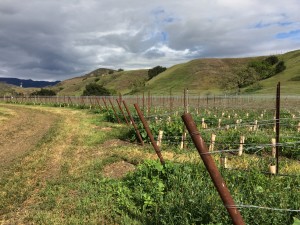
(27, 83)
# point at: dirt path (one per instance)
(21, 130)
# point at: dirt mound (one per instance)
(118, 169)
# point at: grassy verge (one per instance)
(62, 181)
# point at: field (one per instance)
(69, 161)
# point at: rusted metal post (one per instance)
(146, 126)
(112, 105)
(134, 124)
(69, 99)
(82, 100)
(120, 107)
(277, 126)
(149, 103)
(184, 101)
(92, 104)
(98, 102)
(103, 99)
(171, 102)
(143, 101)
(212, 170)
(120, 97)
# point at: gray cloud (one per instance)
(59, 39)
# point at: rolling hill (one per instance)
(27, 82)
(200, 76)
(289, 78)
(117, 81)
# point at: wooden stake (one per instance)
(183, 138)
(272, 169)
(273, 147)
(159, 139)
(223, 161)
(255, 125)
(212, 142)
(219, 123)
(242, 141)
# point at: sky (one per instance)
(60, 39)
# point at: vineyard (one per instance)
(254, 142)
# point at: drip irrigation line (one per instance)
(262, 207)
(265, 172)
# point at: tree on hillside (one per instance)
(280, 67)
(95, 89)
(272, 60)
(155, 71)
(240, 78)
(43, 92)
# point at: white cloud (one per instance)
(57, 39)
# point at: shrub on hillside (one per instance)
(43, 92)
(155, 71)
(280, 67)
(95, 89)
(272, 60)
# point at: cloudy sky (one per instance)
(60, 39)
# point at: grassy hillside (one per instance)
(200, 76)
(118, 82)
(204, 76)
(5, 89)
(290, 78)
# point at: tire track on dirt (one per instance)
(21, 132)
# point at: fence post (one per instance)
(213, 170)
(98, 102)
(148, 103)
(277, 126)
(120, 107)
(146, 126)
(133, 124)
(112, 105)
(103, 99)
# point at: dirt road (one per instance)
(21, 130)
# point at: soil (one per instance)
(118, 169)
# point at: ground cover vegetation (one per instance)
(62, 179)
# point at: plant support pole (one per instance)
(212, 170)
(103, 99)
(122, 111)
(277, 126)
(146, 126)
(112, 105)
(133, 124)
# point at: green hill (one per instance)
(204, 76)
(200, 76)
(116, 81)
(290, 78)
